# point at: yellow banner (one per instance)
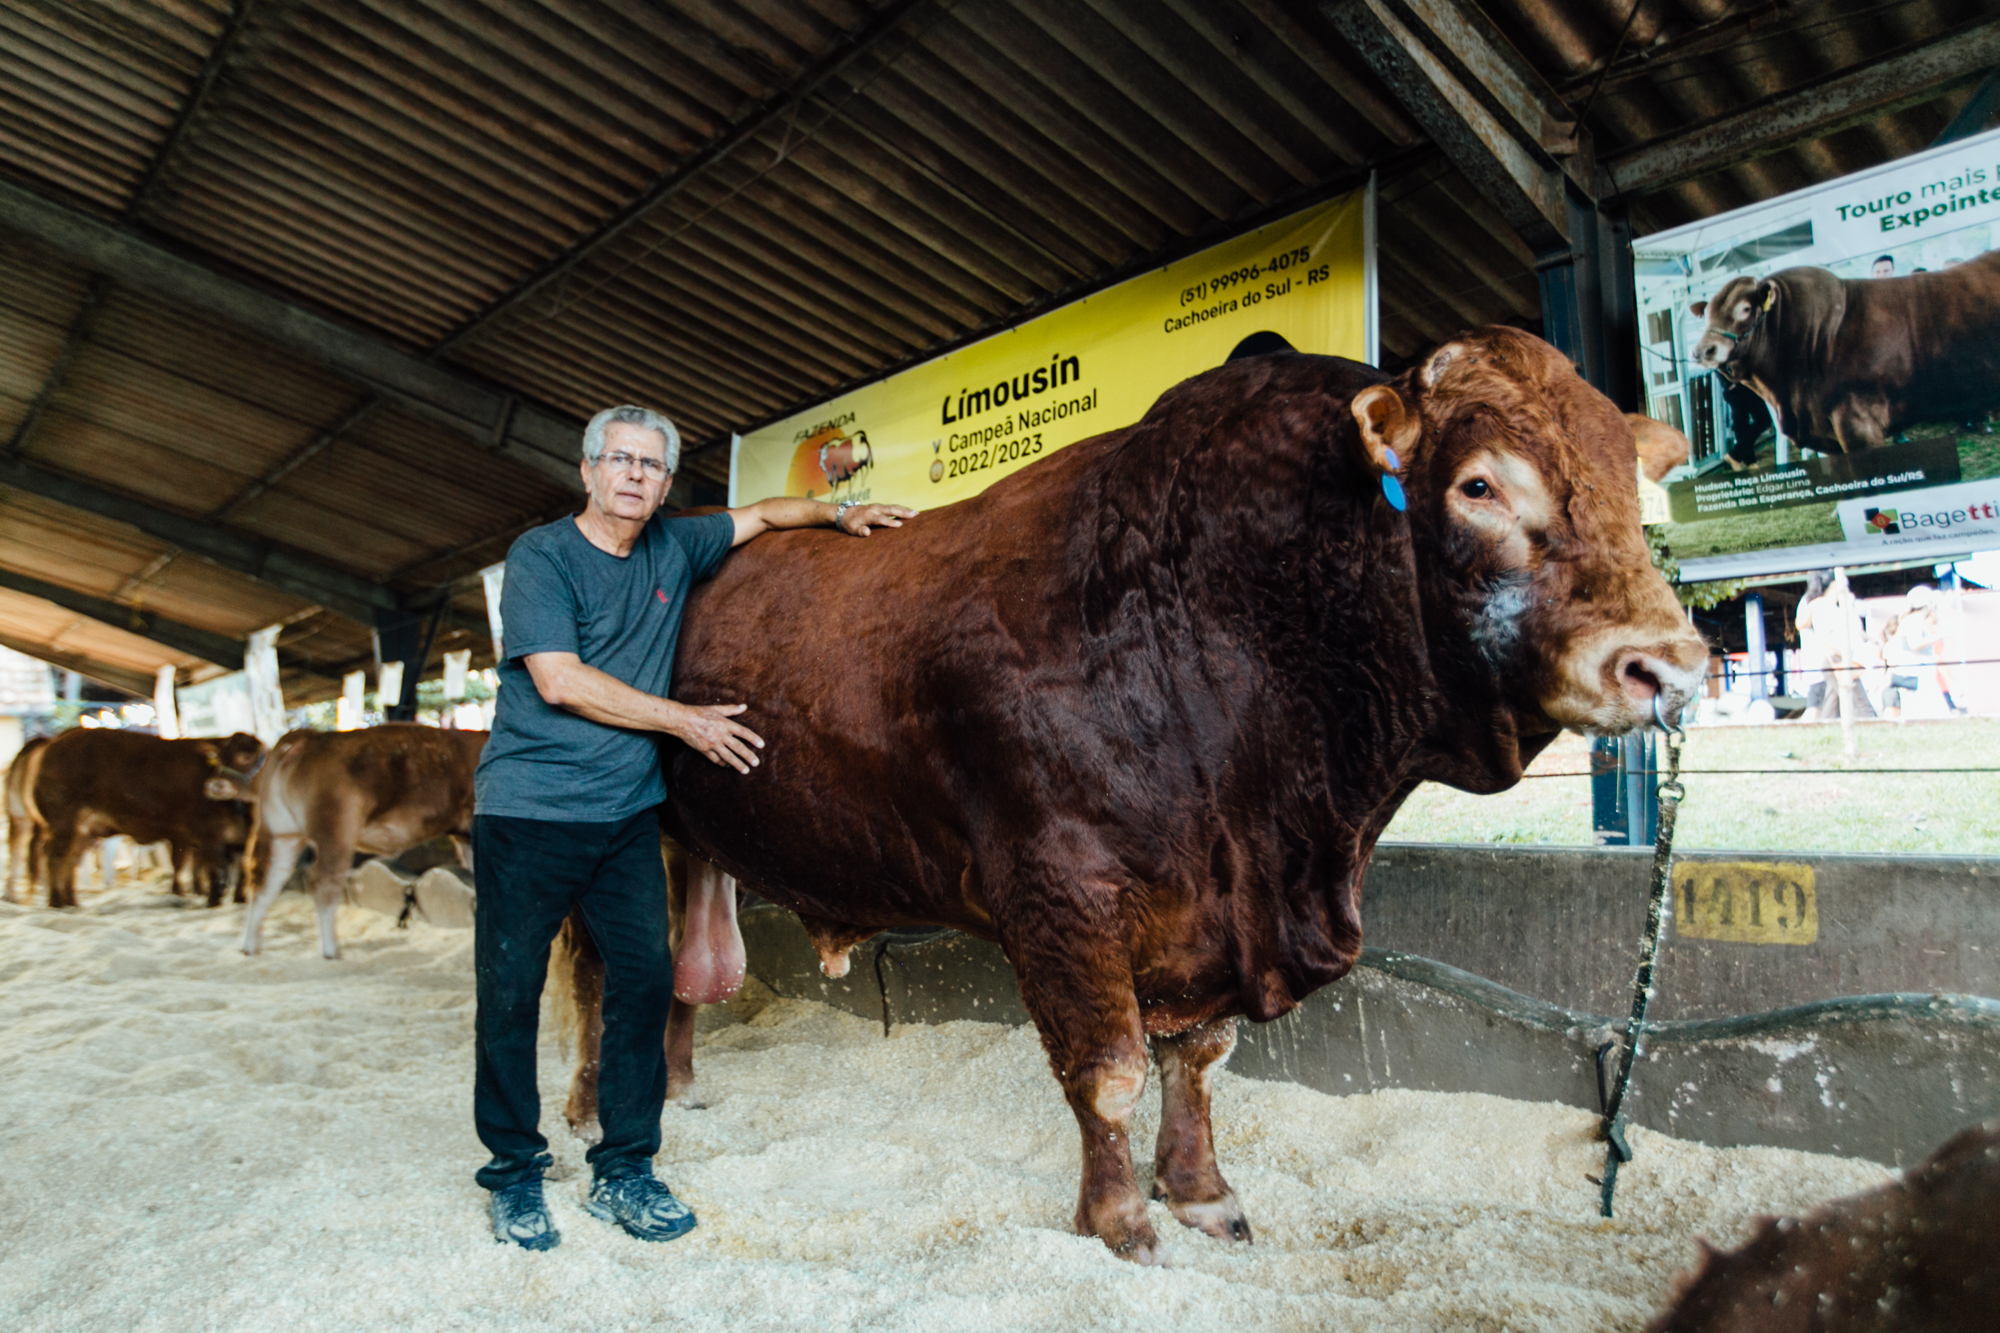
(947, 429)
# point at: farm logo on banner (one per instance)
(1834, 358)
(947, 429)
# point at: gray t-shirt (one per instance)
(620, 615)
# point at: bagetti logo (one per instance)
(1961, 516)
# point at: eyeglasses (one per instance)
(618, 461)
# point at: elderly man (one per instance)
(566, 793)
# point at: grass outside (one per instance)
(1800, 525)
(1818, 803)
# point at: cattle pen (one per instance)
(1410, 744)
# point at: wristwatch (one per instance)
(840, 510)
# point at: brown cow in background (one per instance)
(1845, 363)
(27, 835)
(381, 790)
(1914, 1256)
(92, 784)
(1139, 711)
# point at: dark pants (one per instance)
(529, 873)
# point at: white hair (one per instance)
(593, 434)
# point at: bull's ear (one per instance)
(1698, 308)
(1389, 429)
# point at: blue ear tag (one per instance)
(1392, 491)
(1395, 463)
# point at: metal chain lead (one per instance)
(1659, 910)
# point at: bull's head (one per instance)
(1732, 316)
(1522, 502)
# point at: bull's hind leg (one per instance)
(584, 999)
(680, 1014)
(682, 1090)
(1185, 1173)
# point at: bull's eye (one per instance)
(1475, 489)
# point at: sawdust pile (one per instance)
(195, 1140)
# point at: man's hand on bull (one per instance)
(708, 728)
(790, 511)
(856, 519)
(565, 681)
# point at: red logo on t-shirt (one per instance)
(662, 596)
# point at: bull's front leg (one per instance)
(1079, 992)
(1185, 1174)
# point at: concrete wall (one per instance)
(1500, 970)
(1563, 924)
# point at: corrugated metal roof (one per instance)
(727, 208)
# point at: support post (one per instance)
(407, 637)
(1609, 824)
(1757, 654)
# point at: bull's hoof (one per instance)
(1146, 1253)
(1128, 1235)
(1221, 1218)
(588, 1132)
(692, 1097)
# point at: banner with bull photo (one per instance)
(947, 429)
(1833, 358)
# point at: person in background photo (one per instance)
(1884, 267)
(1812, 643)
(1920, 636)
(1835, 622)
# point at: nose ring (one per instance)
(1672, 728)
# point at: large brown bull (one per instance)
(1140, 711)
(381, 790)
(1845, 363)
(92, 784)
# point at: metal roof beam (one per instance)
(269, 564)
(1978, 112)
(73, 341)
(210, 647)
(534, 436)
(1479, 101)
(118, 678)
(1861, 93)
(745, 130)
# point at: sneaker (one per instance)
(521, 1217)
(642, 1205)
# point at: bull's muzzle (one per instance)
(1609, 685)
(1657, 683)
